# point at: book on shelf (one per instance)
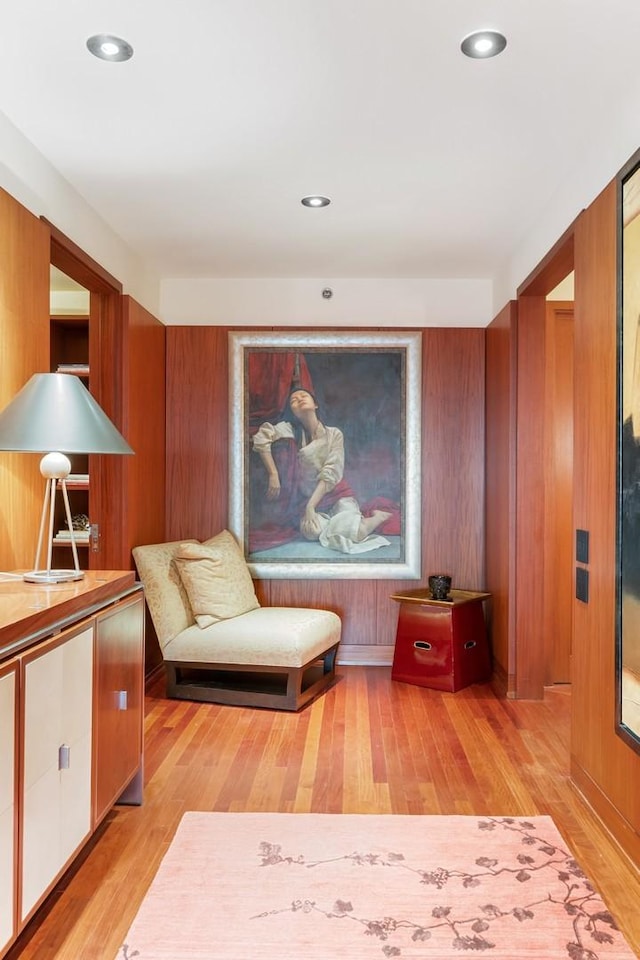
(80, 536)
(79, 369)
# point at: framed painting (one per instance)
(628, 514)
(324, 453)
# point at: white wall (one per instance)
(29, 177)
(357, 303)
(607, 150)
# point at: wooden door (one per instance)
(119, 701)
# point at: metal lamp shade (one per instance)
(55, 414)
(55, 411)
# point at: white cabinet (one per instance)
(71, 724)
(56, 789)
(8, 747)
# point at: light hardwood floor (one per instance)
(369, 745)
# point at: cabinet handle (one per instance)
(469, 644)
(64, 757)
(94, 537)
(121, 699)
(422, 645)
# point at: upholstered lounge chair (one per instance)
(218, 644)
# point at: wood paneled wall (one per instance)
(452, 476)
(531, 518)
(529, 543)
(24, 350)
(144, 422)
(602, 765)
(501, 363)
(144, 389)
(107, 361)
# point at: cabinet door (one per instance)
(119, 701)
(56, 789)
(8, 727)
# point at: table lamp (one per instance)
(55, 414)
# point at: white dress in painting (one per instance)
(323, 459)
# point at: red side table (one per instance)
(441, 644)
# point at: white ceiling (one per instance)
(198, 150)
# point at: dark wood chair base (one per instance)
(252, 685)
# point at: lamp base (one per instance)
(52, 576)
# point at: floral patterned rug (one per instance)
(244, 886)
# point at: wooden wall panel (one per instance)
(558, 466)
(144, 427)
(501, 366)
(603, 766)
(24, 350)
(197, 431)
(453, 455)
(530, 502)
(144, 423)
(107, 362)
(452, 493)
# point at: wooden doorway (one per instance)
(106, 363)
(544, 478)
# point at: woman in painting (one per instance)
(321, 502)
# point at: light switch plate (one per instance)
(582, 584)
(582, 546)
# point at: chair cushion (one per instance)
(165, 595)
(216, 578)
(267, 636)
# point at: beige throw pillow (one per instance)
(216, 578)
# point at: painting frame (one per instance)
(627, 651)
(396, 360)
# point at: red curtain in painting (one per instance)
(271, 378)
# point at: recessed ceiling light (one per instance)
(483, 43)
(107, 47)
(315, 201)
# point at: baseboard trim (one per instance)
(370, 655)
(615, 824)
